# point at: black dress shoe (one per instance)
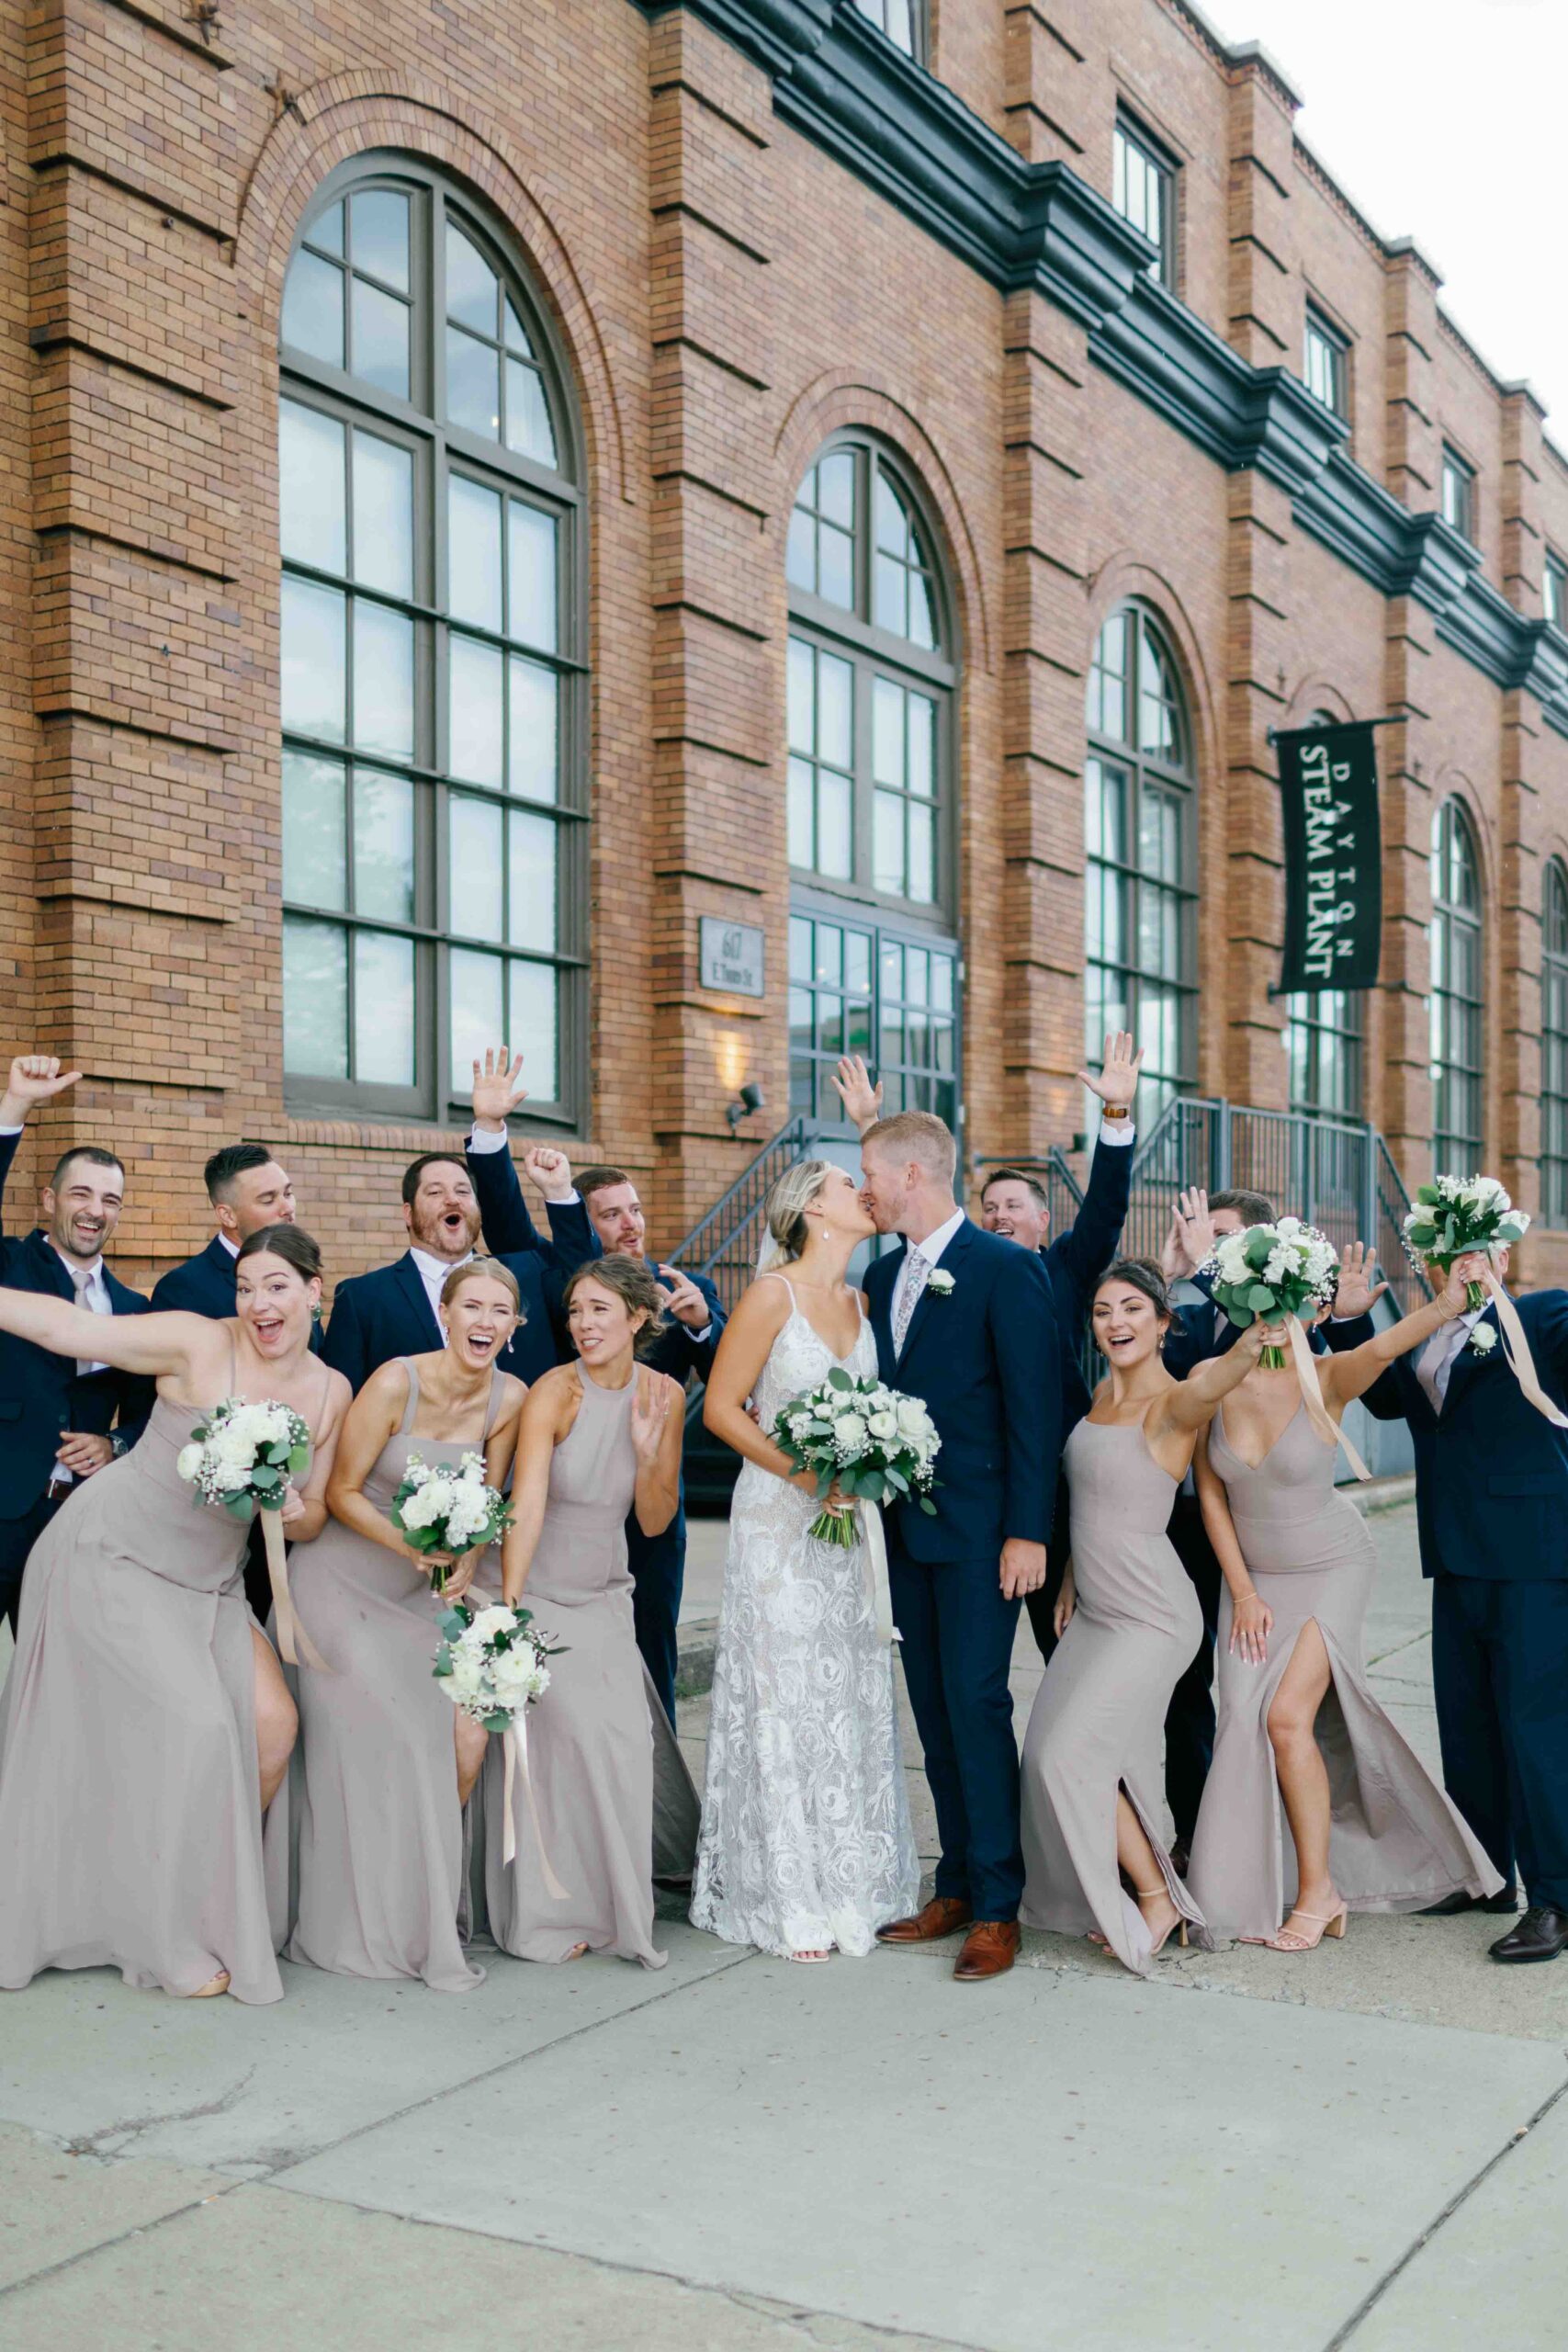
(1541, 1934)
(1506, 1900)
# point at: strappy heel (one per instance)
(1179, 1923)
(1332, 1923)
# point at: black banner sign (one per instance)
(1328, 792)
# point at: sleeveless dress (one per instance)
(616, 1802)
(130, 1826)
(377, 1828)
(807, 1841)
(1396, 1843)
(1096, 1723)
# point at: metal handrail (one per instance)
(743, 1199)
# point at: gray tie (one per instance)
(1438, 1359)
(916, 1273)
(80, 1278)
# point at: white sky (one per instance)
(1444, 120)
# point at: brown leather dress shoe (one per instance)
(943, 1915)
(989, 1950)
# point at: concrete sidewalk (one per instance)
(1364, 2146)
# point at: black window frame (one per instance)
(877, 12)
(1128, 133)
(1456, 1011)
(1458, 471)
(1321, 329)
(1554, 589)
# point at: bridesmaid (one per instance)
(388, 1762)
(1297, 1723)
(1129, 1625)
(146, 1725)
(595, 1438)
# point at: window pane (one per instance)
(528, 426)
(836, 575)
(515, 334)
(922, 746)
(835, 853)
(800, 555)
(315, 999)
(888, 608)
(380, 339)
(379, 224)
(476, 727)
(531, 576)
(836, 488)
(532, 770)
(922, 621)
(383, 680)
(315, 858)
(471, 285)
(922, 854)
(473, 385)
(477, 1010)
(857, 962)
(326, 229)
(801, 721)
(536, 1027)
(311, 475)
(799, 950)
(312, 309)
(802, 825)
(834, 709)
(315, 670)
(476, 875)
(892, 523)
(888, 842)
(383, 514)
(531, 883)
(830, 963)
(473, 563)
(888, 732)
(383, 1009)
(383, 846)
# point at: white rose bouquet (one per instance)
(1456, 1214)
(242, 1456)
(438, 1509)
(490, 1662)
(875, 1443)
(1272, 1272)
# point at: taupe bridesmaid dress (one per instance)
(377, 1830)
(1096, 1723)
(616, 1802)
(1396, 1843)
(131, 1828)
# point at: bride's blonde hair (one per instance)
(786, 1232)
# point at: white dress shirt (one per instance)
(483, 1139)
(433, 1273)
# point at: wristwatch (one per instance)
(119, 1445)
(1120, 1110)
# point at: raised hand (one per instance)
(1473, 1267)
(1357, 1291)
(547, 1168)
(34, 1079)
(651, 1410)
(1190, 1241)
(1118, 1080)
(496, 1091)
(687, 1302)
(862, 1101)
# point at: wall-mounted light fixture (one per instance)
(749, 1100)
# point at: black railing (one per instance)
(724, 1244)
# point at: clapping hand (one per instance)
(34, 1079)
(1357, 1291)
(687, 1302)
(651, 1410)
(1190, 1241)
(496, 1091)
(1117, 1080)
(862, 1101)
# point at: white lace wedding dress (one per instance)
(806, 1837)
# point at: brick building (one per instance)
(832, 469)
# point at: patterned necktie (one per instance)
(1434, 1368)
(80, 1278)
(916, 1272)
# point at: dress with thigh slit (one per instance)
(1395, 1843)
(1095, 1725)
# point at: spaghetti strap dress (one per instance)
(1396, 1843)
(377, 1828)
(614, 1799)
(131, 1823)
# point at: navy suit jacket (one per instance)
(1490, 1472)
(205, 1286)
(986, 1360)
(41, 1394)
(378, 1315)
(1076, 1259)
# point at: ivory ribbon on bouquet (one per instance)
(1317, 1413)
(1517, 1348)
(877, 1571)
(294, 1642)
(515, 1755)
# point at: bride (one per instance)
(806, 1837)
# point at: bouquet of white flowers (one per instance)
(1454, 1214)
(437, 1509)
(874, 1441)
(241, 1458)
(1272, 1271)
(490, 1663)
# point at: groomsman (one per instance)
(57, 1418)
(1492, 1508)
(248, 1190)
(392, 1311)
(684, 1349)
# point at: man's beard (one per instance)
(430, 1234)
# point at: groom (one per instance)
(964, 1321)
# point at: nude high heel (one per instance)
(1179, 1923)
(1287, 1939)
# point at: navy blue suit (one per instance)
(42, 1394)
(658, 1562)
(986, 1358)
(1492, 1509)
(378, 1315)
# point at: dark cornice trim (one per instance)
(903, 133)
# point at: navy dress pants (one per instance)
(1500, 1678)
(1190, 1718)
(657, 1565)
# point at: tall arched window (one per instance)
(1555, 1047)
(1324, 1029)
(874, 966)
(1140, 886)
(435, 719)
(1459, 1141)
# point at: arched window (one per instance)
(432, 629)
(872, 674)
(1459, 1141)
(1324, 1030)
(1555, 1047)
(1140, 889)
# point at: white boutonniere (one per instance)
(1482, 1340)
(939, 1282)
